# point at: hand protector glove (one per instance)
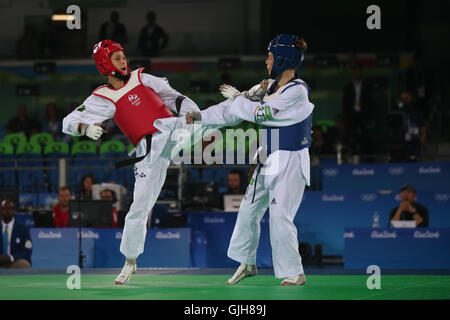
(257, 92)
(193, 116)
(92, 131)
(228, 91)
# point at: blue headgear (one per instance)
(285, 54)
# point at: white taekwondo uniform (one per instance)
(281, 180)
(150, 173)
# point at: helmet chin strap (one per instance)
(121, 77)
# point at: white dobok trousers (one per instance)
(279, 186)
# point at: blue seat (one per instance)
(32, 179)
(194, 175)
(84, 153)
(8, 178)
(216, 175)
(54, 151)
(28, 200)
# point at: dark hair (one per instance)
(89, 175)
(5, 202)
(301, 44)
(234, 171)
(114, 197)
(64, 188)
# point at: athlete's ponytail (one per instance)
(301, 44)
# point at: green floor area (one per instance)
(213, 287)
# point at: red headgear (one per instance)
(102, 56)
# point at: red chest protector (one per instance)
(137, 107)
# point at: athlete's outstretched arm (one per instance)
(290, 107)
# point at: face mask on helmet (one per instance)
(285, 54)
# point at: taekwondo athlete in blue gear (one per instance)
(279, 182)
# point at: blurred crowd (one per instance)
(47, 40)
(357, 130)
(357, 133)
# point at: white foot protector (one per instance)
(294, 281)
(128, 269)
(242, 272)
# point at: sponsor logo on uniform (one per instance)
(273, 201)
(28, 244)
(168, 235)
(275, 111)
(383, 235)
(333, 198)
(214, 220)
(441, 197)
(17, 240)
(49, 235)
(330, 172)
(260, 114)
(118, 235)
(426, 235)
(138, 175)
(89, 234)
(81, 108)
(349, 235)
(429, 170)
(363, 172)
(134, 99)
(396, 171)
(304, 141)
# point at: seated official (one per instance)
(409, 209)
(234, 186)
(15, 242)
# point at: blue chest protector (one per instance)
(291, 138)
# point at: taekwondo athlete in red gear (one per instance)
(142, 106)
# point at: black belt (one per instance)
(129, 162)
(254, 167)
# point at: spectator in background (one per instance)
(61, 210)
(110, 195)
(321, 146)
(114, 30)
(47, 41)
(419, 81)
(86, 187)
(415, 129)
(409, 209)
(52, 122)
(235, 185)
(338, 135)
(23, 123)
(152, 38)
(26, 45)
(15, 242)
(357, 110)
